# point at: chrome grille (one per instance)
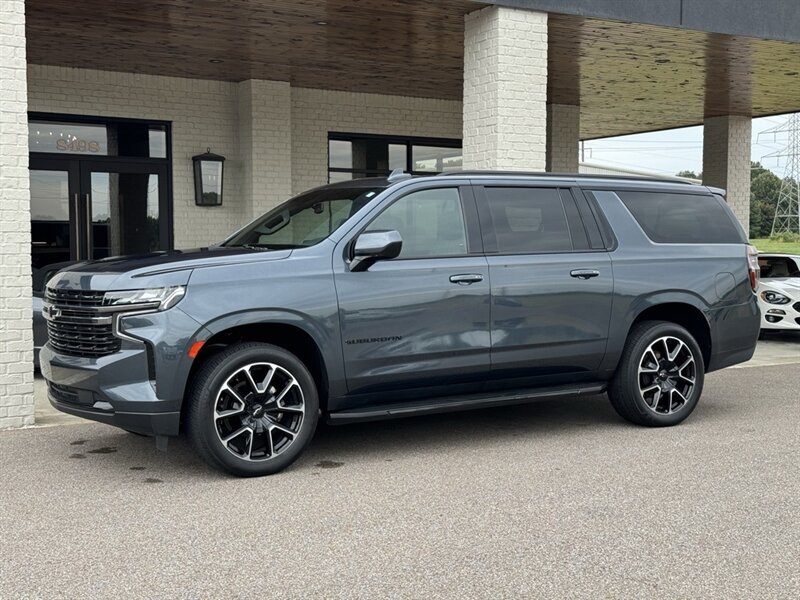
(75, 324)
(77, 298)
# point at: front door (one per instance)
(419, 323)
(84, 209)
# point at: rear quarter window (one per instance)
(669, 218)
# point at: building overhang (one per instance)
(626, 77)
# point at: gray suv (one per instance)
(382, 298)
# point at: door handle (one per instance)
(76, 209)
(89, 232)
(466, 278)
(584, 273)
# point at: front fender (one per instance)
(325, 336)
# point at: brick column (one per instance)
(16, 335)
(726, 161)
(505, 89)
(563, 137)
(265, 139)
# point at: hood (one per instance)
(156, 269)
(787, 285)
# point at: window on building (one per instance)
(122, 138)
(528, 220)
(430, 222)
(354, 156)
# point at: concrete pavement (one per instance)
(553, 499)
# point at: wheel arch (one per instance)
(289, 331)
(687, 314)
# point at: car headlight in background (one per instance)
(775, 298)
(152, 298)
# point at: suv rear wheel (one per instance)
(253, 409)
(660, 377)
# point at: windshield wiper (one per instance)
(255, 246)
(271, 246)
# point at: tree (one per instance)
(764, 189)
(690, 174)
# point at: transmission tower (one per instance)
(787, 212)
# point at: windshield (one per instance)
(778, 267)
(304, 220)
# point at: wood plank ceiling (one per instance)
(626, 77)
(634, 77)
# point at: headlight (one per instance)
(775, 298)
(152, 298)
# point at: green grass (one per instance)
(767, 245)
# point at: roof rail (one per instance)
(567, 176)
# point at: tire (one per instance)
(264, 393)
(663, 396)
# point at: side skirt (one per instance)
(458, 403)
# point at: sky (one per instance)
(670, 151)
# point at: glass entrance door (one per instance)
(54, 206)
(123, 205)
(87, 209)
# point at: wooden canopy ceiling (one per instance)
(626, 77)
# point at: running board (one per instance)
(458, 403)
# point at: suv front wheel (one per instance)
(253, 409)
(660, 376)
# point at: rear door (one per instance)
(551, 282)
(419, 321)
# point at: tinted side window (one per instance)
(682, 218)
(528, 220)
(430, 222)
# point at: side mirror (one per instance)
(373, 246)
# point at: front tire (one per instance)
(660, 376)
(253, 409)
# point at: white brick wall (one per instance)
(203, 113)
(265, 140)
(563, 137)
(726, 161)
(16, 341)
(317, 112)
(274, 137)
(505, 89)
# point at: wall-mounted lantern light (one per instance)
(208, 178)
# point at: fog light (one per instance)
(776, 311)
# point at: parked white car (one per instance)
(779, 292)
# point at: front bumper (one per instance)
(140, 387)
(789, 320)
(114, 389)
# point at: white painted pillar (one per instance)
(16, 333)
(726, 161)
(563, 137)
(265, 138)
(505, 89)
